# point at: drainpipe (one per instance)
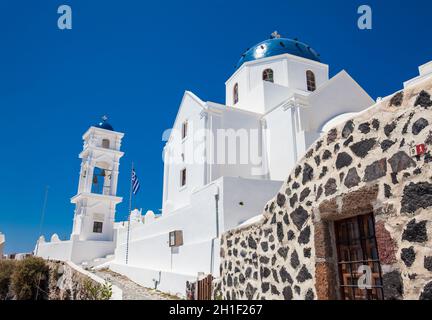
(217, 211)
(264, 150)
(294, 129)
(217, 230)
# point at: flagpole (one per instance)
(130, 211)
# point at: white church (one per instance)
(222, 163)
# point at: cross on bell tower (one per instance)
(96, 199)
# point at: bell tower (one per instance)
(96, 199)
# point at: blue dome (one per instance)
(276, 46)
(104, 125)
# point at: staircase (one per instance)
(98, 263)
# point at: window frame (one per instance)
(175, 238)
(310, 81)
(235, 93)
(106, 141)
(183, 170)
(184, 132)
(99, 224)
(269, 74)
(365, 243)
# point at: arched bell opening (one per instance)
(101, 181)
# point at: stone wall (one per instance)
(68, 281)
(361, 166)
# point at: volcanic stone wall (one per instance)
(361, 166)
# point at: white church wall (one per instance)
(309, 138)
(252, 100)
(244, 128)
(288, 71)
(281, 142)
(149, 252)
(297, 68)
(292, 131)
(177, 196)
(274, 95)
(241, 78)
(201, 212)
(243, 198)
(154, 253)
(277, 64)
(341, 94)
(250, 83)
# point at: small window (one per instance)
(235, 93)
(176, 238)
(184, 129)
(267, 75)
(183, 177)
(97, 227)
(310, 81)
(105, 143)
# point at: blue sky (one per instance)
(132, 60)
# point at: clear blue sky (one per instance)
(133, 60)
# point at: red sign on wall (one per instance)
(418, 150)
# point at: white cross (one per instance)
(275, 35)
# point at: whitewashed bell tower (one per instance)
(96, 199)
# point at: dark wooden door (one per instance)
(205, 288)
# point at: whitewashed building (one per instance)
(93, 233)
(223, 162)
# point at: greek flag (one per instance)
(135, 182)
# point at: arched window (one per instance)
(310, 80)
(267, 75)
(235, 93)
(105, 143)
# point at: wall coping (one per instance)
(117, 293)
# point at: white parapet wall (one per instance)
(74, 250)
(61, 250)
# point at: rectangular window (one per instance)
(97, 227)
(358, 260)
(184, 129)
(105, 143)
(183, 177)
